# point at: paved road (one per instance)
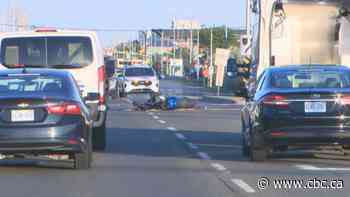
(189, 154)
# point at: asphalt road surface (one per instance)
(179, 153)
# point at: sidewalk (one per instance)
(210, 94)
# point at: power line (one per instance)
(88, 29)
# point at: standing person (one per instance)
(205, 75)
(197, 68)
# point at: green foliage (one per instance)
(219, 40)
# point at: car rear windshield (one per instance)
(310, 78)
(32, 85)
(138, 72)
(46, 52)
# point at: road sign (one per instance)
(221, 57)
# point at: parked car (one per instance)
(111, 77)
(139, 79)
(297, 106)
(43, 113)
(78, 52)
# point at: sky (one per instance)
(130, 14)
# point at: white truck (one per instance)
(298, 32)
(78, 52)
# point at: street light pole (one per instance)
(172, 69)
(191, 45)
(198, 63)
(211, 59)
(162, 51)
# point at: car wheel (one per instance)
(258, 152)
(82, 160)
(122, 94)
(282, 148)
(245, 147)
(99, 137)
(114, 94)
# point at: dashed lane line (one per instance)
(192, 146)
(218, 166)
(313, 168)
(180, 136)
(172, 128)
(162, 121)
(243, 185)
(156, 117)
(203, 156)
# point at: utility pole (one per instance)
(162, 51)
(198, 63)
(132, 49)
(247, 17)
(211, 67)
(191, 44)
(172, 69)
(226, 36)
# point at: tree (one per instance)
(219, 40)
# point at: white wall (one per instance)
(305, 35)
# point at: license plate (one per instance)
(22, 115)
(315, 107)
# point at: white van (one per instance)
(78, 52)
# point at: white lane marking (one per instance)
(192, 146)
(114, 105)
(203, 156)
(156, 117)
(225, 104)
(172, 128)
(243, 185)
(218, 166)
(150, 113)
(307, 167)
(129, 101)
(313, 168)
(161, 121)
(180, 136)
(220, 109)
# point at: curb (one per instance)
(224, 99)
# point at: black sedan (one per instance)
(297, 107)
(42, 113)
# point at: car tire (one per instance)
(114, 94)
(82, 160)
(122, 94)
(281, 148)
(245, 147)
(99, 137)
(258, 154)
(258, 151)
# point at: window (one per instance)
(135, 72)
(312, 78)
(46, 51)
(32, 85)
(261, 81)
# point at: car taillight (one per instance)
(275, 100)
(101, 83)
(64, 109)
(345, 100)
